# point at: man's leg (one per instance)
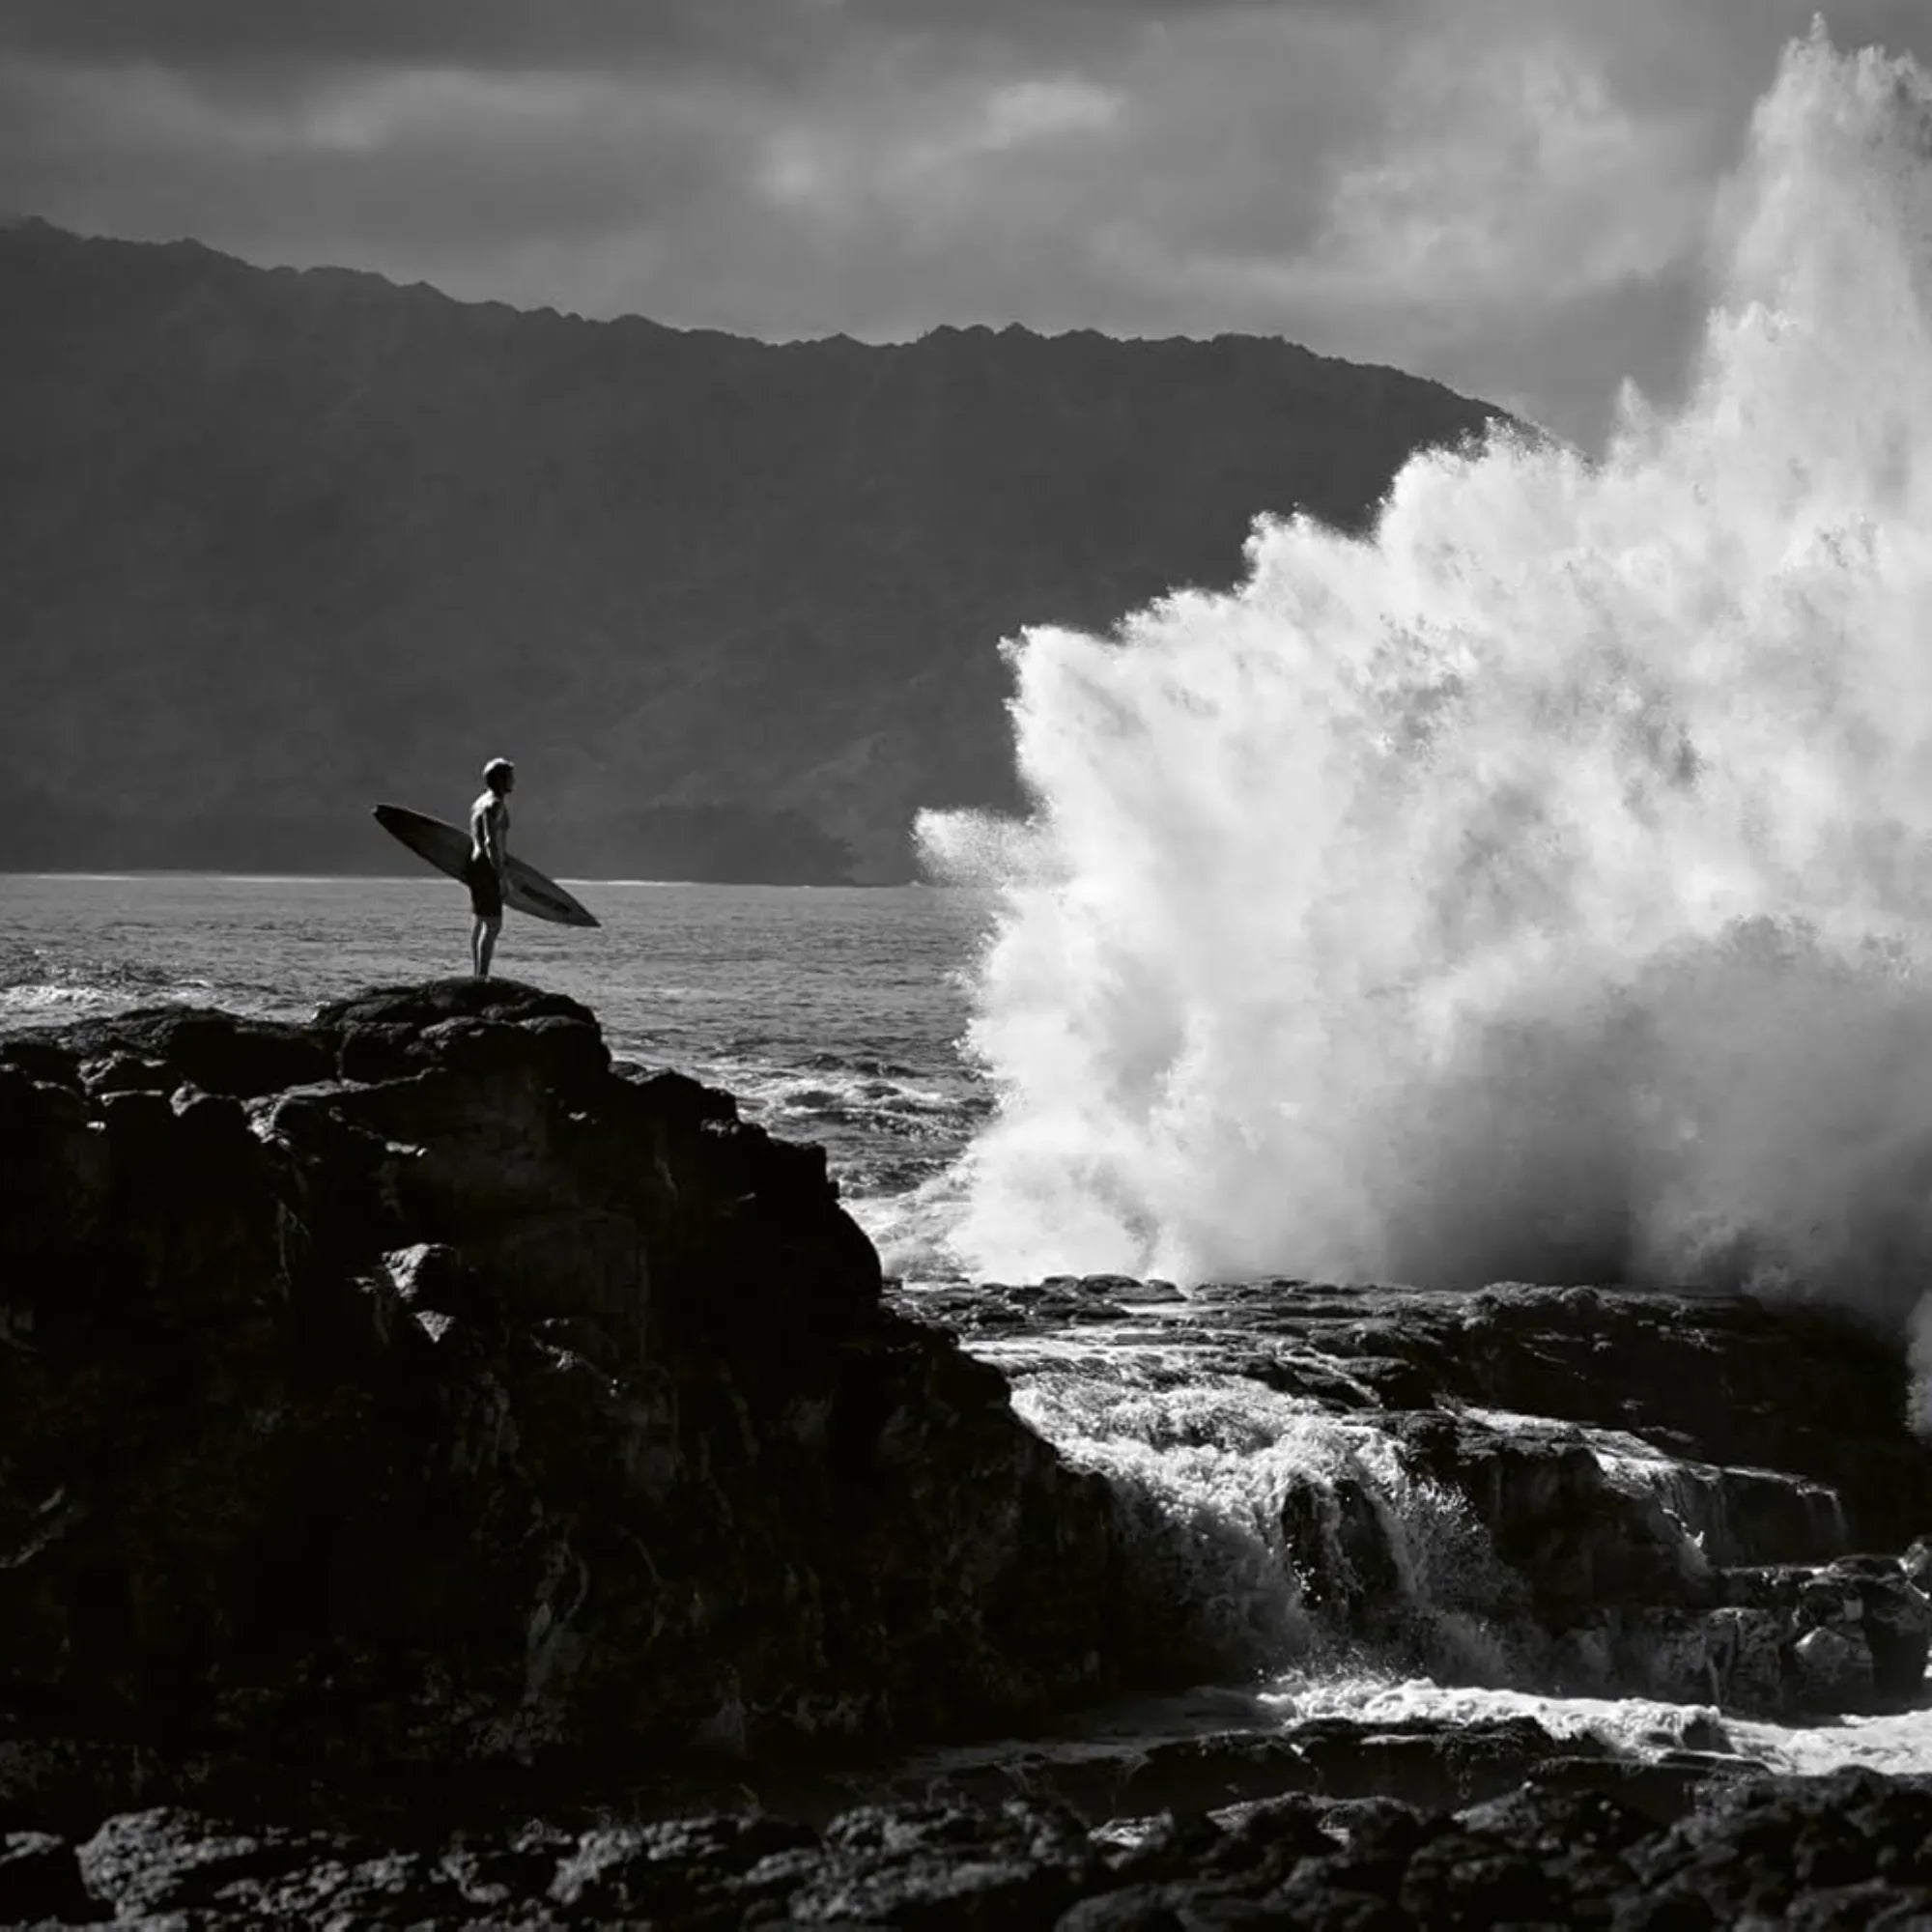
(486, 945)
(478, 958)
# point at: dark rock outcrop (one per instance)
(1629, 1493)
(416, 1389)
(1850, 1851)
(393, 1403)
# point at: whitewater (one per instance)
(1538, 886)
(1534, 888)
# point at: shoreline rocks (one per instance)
(416, 1387)
(413, 1414)
(1612, 1541)
(1850, 1851)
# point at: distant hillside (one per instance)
(275, 545)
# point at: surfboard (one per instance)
(446, 848)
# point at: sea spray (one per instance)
(1540, 886)
(1293, 1537)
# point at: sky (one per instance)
(1511, 197)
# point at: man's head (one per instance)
(499, 775)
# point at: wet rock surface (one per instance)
(446, 1478)
(1851, 1851)
(416, 1387)
(1692, 1497)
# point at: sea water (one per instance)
(1540, 886)
(832, 1014)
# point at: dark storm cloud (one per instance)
(1512, 195)
(758, 34)
(480, 33)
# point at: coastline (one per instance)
(462, 1408)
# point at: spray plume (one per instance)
(1542, 887)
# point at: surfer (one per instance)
(489, 851)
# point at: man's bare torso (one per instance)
(490, 827)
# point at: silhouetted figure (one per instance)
(488, 854)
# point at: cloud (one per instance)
(213, 35)
(403, 171)
(1508, 194)
(747, 37)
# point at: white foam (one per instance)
(1897, 1744)
(51, 1000)
(1541, 888)
(913, 1229)
(1638, 1726)
(1209, 1462)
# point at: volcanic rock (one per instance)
(1568, 1490)
(1848, 1851)
(416, 1387)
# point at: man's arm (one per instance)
(493, 839)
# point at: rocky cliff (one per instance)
(398, 1404)
(416, 1389)
(270, 539)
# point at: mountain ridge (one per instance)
(268, 535)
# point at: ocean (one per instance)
(837, 1016)
(832, 1014)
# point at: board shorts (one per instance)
(486, 889)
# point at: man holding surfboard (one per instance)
(480, 858)
(489, 855)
